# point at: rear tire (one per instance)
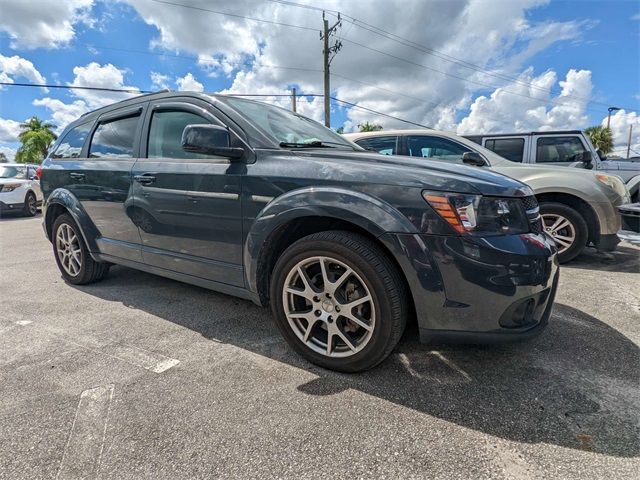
(30, 208)
(71, 254)
(354, 310)
(567, 227)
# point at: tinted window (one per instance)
(165, 134)
(559, 149)
(425, 146)
(12, 171)
(114, 138)
(71, 144)
(383, 145)
(509, 148)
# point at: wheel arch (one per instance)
(581, 206)
(62, 201)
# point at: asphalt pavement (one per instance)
(143, 377)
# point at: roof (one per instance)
(522, 134)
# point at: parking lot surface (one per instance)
(140, 376)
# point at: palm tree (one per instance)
(601, 137)
(36, 138)
(369, 127)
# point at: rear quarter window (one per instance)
(71, 144)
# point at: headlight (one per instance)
(9, 187)
(614, 183)
(480, 215)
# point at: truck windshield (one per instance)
(12, 172)
(289, 129)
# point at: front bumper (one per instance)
(478, 289)
(630, 222)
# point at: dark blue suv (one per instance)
(259, 202)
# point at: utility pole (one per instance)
(328, 52)
(293, 99)
(629, 141)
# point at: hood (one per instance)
(414, 172)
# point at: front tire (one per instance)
(30, 207)
(567, 227)
(339, 301)
(71, 254)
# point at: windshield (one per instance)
(12, 172)
(289, 128)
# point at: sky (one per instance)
(471, 66)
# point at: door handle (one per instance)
(77, 176)
(144, 179)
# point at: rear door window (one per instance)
(429, 147)
(72, 143)
(509, 148)
(559, 149)
(114, 138)
(384, 145)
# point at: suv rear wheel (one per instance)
(339, 301)
(567, 227)
(72, 256)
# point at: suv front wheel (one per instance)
(339, 301)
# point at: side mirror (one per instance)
(473, 158)
(587, 160)
(209, 140)
(601, 154)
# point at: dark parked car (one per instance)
(259, 202)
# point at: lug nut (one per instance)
(330, 319)
(337, 309)
(317, 313)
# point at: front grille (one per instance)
(530, 204)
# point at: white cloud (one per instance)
(250, 52)
(159, 81)
(12, 67)
(189, 83)
(9, 152)
(620, 123)
(9, 130)
(504, 112)
(91, 75)
(62, 113)
(42, 23)
(102, 76)
(636, 17)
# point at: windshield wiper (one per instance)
(314, 144)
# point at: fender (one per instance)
(365, 211)
(64, 198)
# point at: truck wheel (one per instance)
(30, 207)
(339, 301)
(72, 256)
(567, 227)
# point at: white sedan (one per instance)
(19, 189)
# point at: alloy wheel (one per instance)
(561, 229)
(32, 205)
(68, 249)
(329, 306)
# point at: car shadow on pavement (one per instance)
(575, 386)
(624, 259)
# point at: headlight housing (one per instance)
(9, 187)
(480, 215)
(614, 183)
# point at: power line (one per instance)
(370, 110)
(227, 14)
(430, 51)
(75, 87)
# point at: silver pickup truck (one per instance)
(565, 148)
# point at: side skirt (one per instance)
(183, 277)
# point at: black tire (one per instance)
(384, 282)
(578, 224)
(30, 208)
(90, 271)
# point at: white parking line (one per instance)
(83, 452)
(22, 323)
(150, 360)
